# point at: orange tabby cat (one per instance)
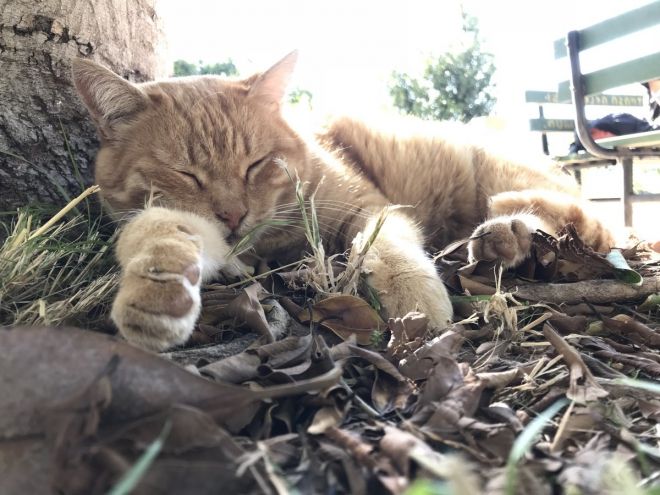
(219, 157)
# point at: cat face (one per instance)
(200, 144)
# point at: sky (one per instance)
(349, 48)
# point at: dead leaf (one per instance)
(583, 387)
(407, 334)
(363, 454)
(38, 369)
(245, 365)
(326, 417)
(38, 372)
(346, 315)
(197, 456)
(475, 287)
(398, 446)
(499, 379)
(628, 327)
(247, 308)
(419, 365)
(585, 472)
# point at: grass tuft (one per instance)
(55, 270)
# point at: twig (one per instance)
(72, 204)
(595, 291)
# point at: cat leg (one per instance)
(402, 274)
(515, 215)
(164, 256)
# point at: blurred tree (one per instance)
(455, 86)
(298, 95)
(183, 68)
(227, 68)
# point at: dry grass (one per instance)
(56, 270)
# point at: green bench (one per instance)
(543, 124)
(581, 87)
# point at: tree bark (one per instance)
(47, 141)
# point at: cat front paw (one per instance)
(159, 300)
(403, 286)
(506, 239)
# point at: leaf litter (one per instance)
(547, 383)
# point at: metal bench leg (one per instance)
(577, 173)
(627, 191)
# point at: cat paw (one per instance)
(164, 255)
(405, 287)
(159, 300)
(504, 239)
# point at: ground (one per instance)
(546, 383)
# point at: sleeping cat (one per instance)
(219, 157)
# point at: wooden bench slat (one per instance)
(633, 71)
(535, 96)
(581, 158)
(616, 27)
(551, 125)
(639, 140)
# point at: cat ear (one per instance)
(108, 97)
(271, 85)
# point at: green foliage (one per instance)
(183, 68)
(455, 86)
(299, 95)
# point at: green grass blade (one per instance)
(525, 440)
(132, 477)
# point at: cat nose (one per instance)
(231, 218)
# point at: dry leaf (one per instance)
(247, 308)
(346, 315)
(326, 417)
(38, 373)
(245, 365)
(419, 365)
(407, 334)
(583, 387)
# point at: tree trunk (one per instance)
(47, 141)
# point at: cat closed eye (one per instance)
(191, 176)
(254, 167)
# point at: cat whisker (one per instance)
(326, 202)
(320, 209)
(326, 227)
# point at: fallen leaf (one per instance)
(245, 365)
(419, 365)
(247, 308)
(583, 387)
(630, 328)
(38, 373)
(346, 315)
(326, 417)
(407, 334)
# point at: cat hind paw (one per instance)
(504, 239)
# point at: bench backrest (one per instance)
(543, 124)
(635, 70)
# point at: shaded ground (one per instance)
(547, 383)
